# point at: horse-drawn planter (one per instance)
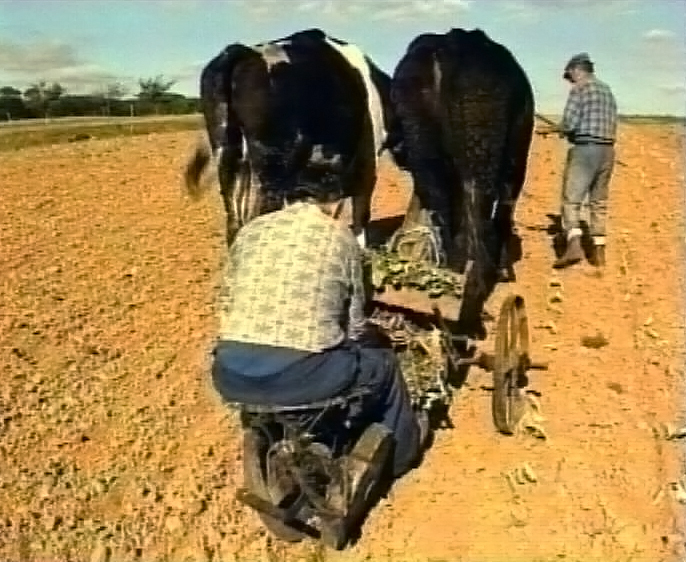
(311, 470)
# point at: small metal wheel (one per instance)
(510, 365)
(255, 447)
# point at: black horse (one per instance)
(303, 109)
(464, 122)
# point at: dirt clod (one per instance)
(595, 341)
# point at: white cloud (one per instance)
(53, 61)
(655, 62)
(404, 10)
(389, 10)
(307, 6)
(676, 89)
(521, 12)
(86, 79)
(659, 35)
(187, 73)
(660, 51)
(614, 6)
(535, 11)
(393, 11)
(40, 56)
(176, 6)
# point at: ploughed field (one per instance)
(113, 445)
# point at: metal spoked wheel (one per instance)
(255, 447)
(511, 362)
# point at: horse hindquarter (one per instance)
(416, 102)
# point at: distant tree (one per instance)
(153, 90)
(38, 96)
(116, 90)
(109, 93)
(85, 105)
(9, 92)
(11, 104)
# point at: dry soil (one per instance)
(114, 447)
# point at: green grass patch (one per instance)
(653, 119)
(15, 135)
(632, 119)
(18, 135)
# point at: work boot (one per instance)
(598, 258)
(574, 253)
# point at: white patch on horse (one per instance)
(238, 193)
(494, 209)
(221, 115)
(254, 190)
(317, 157)
(438, 76)
(356, 59)
(247, 189)
(272, 53)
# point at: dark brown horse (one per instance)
(465, 113)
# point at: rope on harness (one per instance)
(424, 245)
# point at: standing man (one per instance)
(590, 124)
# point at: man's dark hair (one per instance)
(321, 183)
(319, 193)
(583, 65)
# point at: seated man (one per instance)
(292, 325)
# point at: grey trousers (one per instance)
(587, 176)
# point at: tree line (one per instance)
(44, 100)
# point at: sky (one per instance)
(638, 46)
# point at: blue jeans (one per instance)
(310, 377)
(587, 175)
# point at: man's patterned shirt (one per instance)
(591, 112)
(294, 279)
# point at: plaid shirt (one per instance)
(590, 112)
(294, 279)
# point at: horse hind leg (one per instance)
(234, 187)
(361, 214)
(507, 241)
(363, 190)
(513, 175)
